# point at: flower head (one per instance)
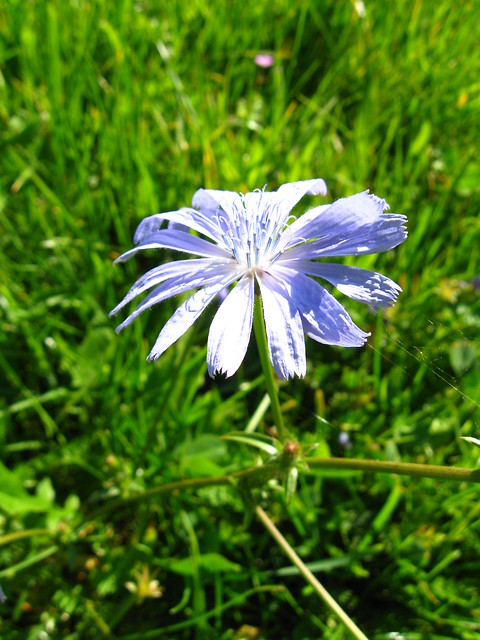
(264, 60)
(253, 238)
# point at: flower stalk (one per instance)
(437, 472)
(258, 475)
(261, 338)
(320, 590)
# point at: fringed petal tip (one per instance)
(381, 201)
(287, 371)
(147, 226)
(290, 375)
(350, 337)
(230, 330)
(219, 373)
(364, 338)
(319, 188)
(351, 341)
(377, 199)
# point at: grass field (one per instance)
(112, 111)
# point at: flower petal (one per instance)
(180, 273)
(283, 323)
(350, 226)
(324, 319)
(180, 241)
(286, 197)
(186, 314)
(292, 192)
(382, 235)
(298, 232)
(365, 286)
(208, 201)
(186, 216)
(230, 330)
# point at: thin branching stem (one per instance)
(259, 475)
(7, 538)
(320, 590)
(436, 472)
(252, 476)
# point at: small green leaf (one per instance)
(92, 358)
(202, 456)
(206, 445)
(257, 440)
(210, 562)
(14, 499)
(201, 466)
(471, 440)
(45, 490)
(290, 484)
(462, 357)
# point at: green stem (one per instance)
(261, 338)
(7, 538)
(331, 603)
(260, 474)
(256, 475)
(186, 624)
(9, 572)
(402, 468)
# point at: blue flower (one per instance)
(252, 238)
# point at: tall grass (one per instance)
(111, 111)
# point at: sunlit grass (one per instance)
(112, 111)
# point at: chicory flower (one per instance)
(252, 240)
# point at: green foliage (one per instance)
(110, 111)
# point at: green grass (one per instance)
(111, 111)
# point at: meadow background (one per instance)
(114, 110)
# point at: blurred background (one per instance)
(113, 110)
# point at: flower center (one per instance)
(253, 230)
